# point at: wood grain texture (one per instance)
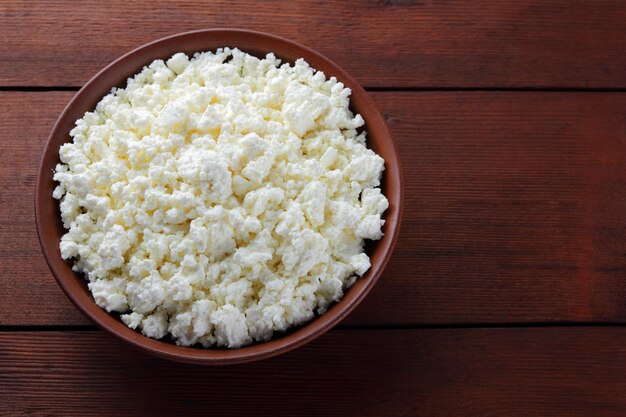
(486, 43)
(462, 372)
(515, 210)
(28, 291)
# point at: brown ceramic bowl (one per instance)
(48, 216)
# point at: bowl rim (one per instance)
(258, 350)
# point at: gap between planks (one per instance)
(452, 326)
(391, 89)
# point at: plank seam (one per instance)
(87, 327)
(383, 89)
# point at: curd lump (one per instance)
(220, 198)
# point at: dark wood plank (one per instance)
(486, 43)
(453, 372)
(514, 210)
(28, 292)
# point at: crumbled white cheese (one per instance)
(220, 198)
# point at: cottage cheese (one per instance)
(220, 198)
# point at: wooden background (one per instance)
(506, 294)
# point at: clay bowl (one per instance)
(50, 228)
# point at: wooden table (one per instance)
(507, 291)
